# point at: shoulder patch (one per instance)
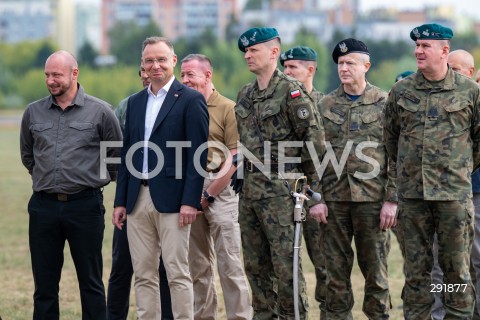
(295, 93)
(303, 113)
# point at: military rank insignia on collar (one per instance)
(295, 93)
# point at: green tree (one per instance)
(98, 82)
(307, 38)
(23, 56)
(466, 41)
(45, 49)
(230, 70)
(185, 46)
(385, 72)
(30, 86)
(87, 54)
(126, 40)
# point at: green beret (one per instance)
(403, 75)
(431, 31)
(348, 46)
(255, 36)
(298, 53)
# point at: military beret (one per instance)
(255, 36)
(403, 75)
(431, 31)
(298, 53)
(348, 46)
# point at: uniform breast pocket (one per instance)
(243, 109)
(409, 115)
(333, 123)
(372, 125)
(273, 123)
(459, 116)
(43, 132)
(82, 133)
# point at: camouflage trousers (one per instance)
(313, 235)
(453, 222)
(268, 230)
(359, 221)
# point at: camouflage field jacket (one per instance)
(432, 131)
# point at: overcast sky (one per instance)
(467, 7)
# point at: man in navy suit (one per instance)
(160, 180)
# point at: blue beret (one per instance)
(403, 75)
(255, 36)
(348, 46)
(298, 53)
(431, 31)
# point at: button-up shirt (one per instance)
(61, 148)
(154, 103)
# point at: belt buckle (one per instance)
(249, 166)
(62, 197)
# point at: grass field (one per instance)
(16, 282)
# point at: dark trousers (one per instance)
(119, 283)
(80, 221)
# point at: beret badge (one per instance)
(244, 41)
(416, 33)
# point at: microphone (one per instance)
(314, 195)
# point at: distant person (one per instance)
(216, 232)
(160, 189)
(462, 62)
(477, 77)
(120, 281)
(300, 62)
(121, 109)
(60, 146)
(361, 196)
(432, 132)
(403, 75)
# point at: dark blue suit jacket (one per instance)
(182, 118)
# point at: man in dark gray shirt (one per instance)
(60, 146)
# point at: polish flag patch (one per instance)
(295, 93)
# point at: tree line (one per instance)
(22, 74)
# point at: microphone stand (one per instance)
(298, 216)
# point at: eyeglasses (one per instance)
(151, 62)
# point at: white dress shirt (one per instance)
(154, 104)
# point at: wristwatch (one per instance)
(210, 198)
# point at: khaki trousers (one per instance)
(217, 231)
(151, 233)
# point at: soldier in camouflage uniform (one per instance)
(273, 110)
(301, 63)
(360, 192)
(432, 131)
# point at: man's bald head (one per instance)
(61, 72)
(462, 62)
(64, 57)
